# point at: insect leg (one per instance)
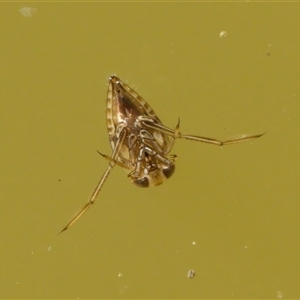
(95, 193)
(175, 134)
(118, 163)
(242, 138)
(174, 137)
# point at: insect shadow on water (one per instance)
(140, 142)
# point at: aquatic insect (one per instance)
(140, 142)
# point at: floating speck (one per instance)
(223, 34)
(191, 274)
(279, 294)
(27, 11)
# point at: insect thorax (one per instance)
(145, 153)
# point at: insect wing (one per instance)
(124, 107)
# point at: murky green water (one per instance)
(230, 214)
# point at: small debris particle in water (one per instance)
(194, 243)
(191, 274)
(279, 294)
(223, 34)
(27, 11)
(120, 274)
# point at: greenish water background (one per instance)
(230, 214)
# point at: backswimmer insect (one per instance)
(140, 142)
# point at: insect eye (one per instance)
(143, 182)
(168, 172)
